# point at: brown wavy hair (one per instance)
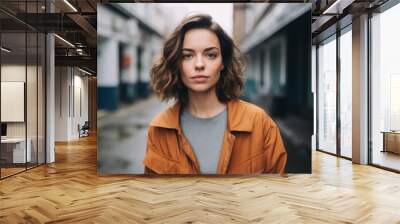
(165, 72)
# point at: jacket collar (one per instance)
(237, 121)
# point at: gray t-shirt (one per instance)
(205, 135)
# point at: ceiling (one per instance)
(74, 21)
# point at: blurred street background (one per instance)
(275, 38)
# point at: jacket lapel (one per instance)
(226, 152)
(184, 144)
(170, 119)
(237, 122)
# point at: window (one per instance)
(346, 93)
(22, 68)
(327, 95)
(385, 88)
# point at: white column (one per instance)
(50, 99)
(64, 99)
(314, 92)
(360, 90)
(108, 63)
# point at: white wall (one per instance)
(33, 126)
(79, 117)
(17, 73)
(14, 73)
(61, 103)
(70, 84)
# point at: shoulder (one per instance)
(248, 116)
(162, 126)
(250, 110)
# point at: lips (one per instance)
(199, 78)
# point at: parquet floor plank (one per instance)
(71, 191)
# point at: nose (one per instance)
(199, 64)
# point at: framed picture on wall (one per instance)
(12, 101)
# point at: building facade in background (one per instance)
(275, 39)
(129, 38)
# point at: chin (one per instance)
(200, 89)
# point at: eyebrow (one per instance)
(207, 49)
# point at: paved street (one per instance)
(122, 137)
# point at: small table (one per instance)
(391, 141)
(13, 150)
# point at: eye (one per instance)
(211, 55)
(187, 56)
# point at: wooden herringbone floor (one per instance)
(70, 191)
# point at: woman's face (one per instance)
(201, 60)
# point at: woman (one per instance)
(208, 130)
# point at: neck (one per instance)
(204, 105)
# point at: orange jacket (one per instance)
(252, 143)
